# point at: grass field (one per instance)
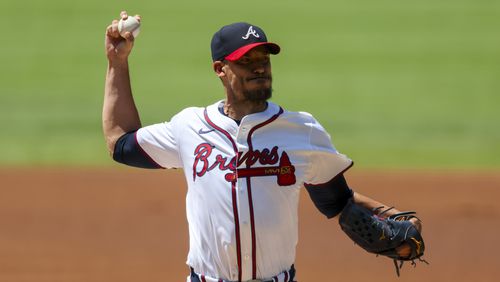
(396, 83)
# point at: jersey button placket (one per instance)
(244, 214)
(245, 230)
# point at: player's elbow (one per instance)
(111, 139)
(110, 144)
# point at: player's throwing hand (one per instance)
(118, 47)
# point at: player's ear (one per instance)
(219, 68)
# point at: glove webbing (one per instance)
(400, 217)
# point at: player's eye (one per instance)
(244, 60)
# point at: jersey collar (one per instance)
(226, 122)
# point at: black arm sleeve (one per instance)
(128, 151)
(331, 197)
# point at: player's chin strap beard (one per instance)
(259, 95)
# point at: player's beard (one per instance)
(258, 95)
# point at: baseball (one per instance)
(131, 24)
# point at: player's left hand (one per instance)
(396, 236)
(405, 249)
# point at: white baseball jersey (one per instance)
(243, 184)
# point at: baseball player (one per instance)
(245, 160)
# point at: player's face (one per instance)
(250, 76)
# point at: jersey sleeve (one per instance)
(160, 143)
(325, 161)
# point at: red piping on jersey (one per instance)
(144, 152)
(237, 227)
(233, 193)
(249, 187)
(252, 226)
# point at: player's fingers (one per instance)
(138, 17)
(417, 223)
(123, 15)
(112, 30)
(114, 26)
(129, 37)
(108, 30)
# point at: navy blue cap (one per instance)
(234, 40)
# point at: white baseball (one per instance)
(131, 24)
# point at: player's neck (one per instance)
(239, 110)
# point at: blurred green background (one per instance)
(398, 84)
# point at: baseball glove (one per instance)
(383, 235)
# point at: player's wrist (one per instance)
(118, 62)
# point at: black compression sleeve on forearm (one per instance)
(331, 197)
(128, 151)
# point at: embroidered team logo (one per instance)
(272, 164)
(252, 32)
(284, 172)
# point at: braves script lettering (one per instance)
(203, 163)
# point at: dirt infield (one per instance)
(106, 225)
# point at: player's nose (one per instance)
(259, 69)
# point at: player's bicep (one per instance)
(160, 142)
(128, 151)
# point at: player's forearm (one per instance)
(119, 111)
(371, 204)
